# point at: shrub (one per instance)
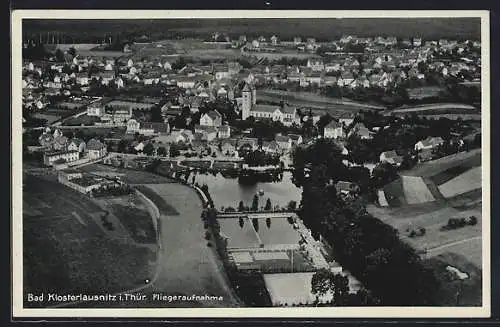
(472, 220)
(422, 231)
(413, 233)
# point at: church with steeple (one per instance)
(249, 108)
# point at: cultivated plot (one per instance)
(466, 182)
(415, 190)
(65, 251)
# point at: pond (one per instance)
(228, 192)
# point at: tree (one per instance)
(149, 149)
(255, 203)
(340, 288)
(383, 174)
(72, 51)
(162, 152)
(292, 205)
(156, 115)
(59, 55)
(241, 207)
(174, 151)
(472, 220)
(322, 282)
(268, 206)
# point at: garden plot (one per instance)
(381, 199)
(415, 190)
(466, 182)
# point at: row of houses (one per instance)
(424, 147)
(57, 148)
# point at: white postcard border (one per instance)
(323, 312)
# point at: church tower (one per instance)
(247, 102)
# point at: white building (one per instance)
(96, 149)
(286, 115)
(333, 130)
(429, 143)
(49, 158)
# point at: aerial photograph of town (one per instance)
(251, 162)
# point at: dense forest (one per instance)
(81, 31)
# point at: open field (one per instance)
(437, 108)
(432, 216)
(65, 251)
(279, 55)
(50, 118)
(394, 193)
(468, 181)
(77, 46)
(464, 117)
(103, 53)
(129, 176)
(469, 248)
(424, 92)
(213, 54)
(163, 206)
(449, 174)
(309, 99)
(81, 120)
(469, 291)
(138, 223)
(203, 164)
(224, 165)
(415, 190)
(434, 167)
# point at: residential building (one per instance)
(53, 157)
(250, 142)
(211, 118)
(333, 130)
(77, 144)
(274, 40)
(346, 188)
(224, 132)
(228, 147)
(361, 131)
(96, 149)
(391, 157)
(147, 128)
(428, 143)
(60, 143)
(316, 65)
(95, 109)
(272, 147)
(284, 142)
(82, 78)
(296, 139)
